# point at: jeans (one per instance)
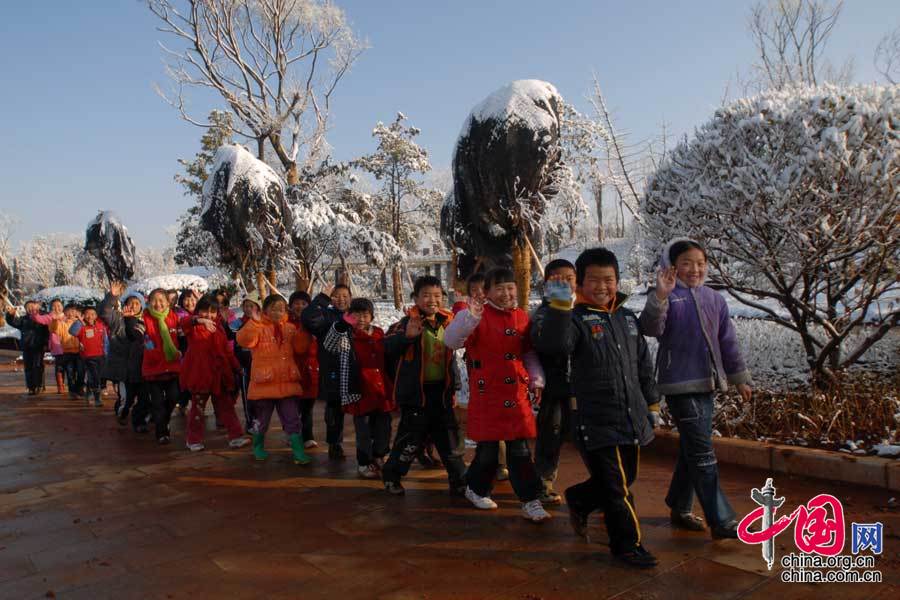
(416, 422)
(552, 427)
(92, 368)
(696, 471)
(483, 469)
(373, 436)
(134, 401)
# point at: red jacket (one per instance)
(208, 365)
(92, 340)
(308, 363)
(155, 365)
(374, 384)
(499, 408)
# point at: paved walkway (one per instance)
(90, 510)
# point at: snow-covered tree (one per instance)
(795, 193)
(331, 221)
(276, 63)
(399, 163)
(193, 243)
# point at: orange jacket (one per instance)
(274, 373)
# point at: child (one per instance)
(553, 415)
(612, 375)
(475, 293)
(161, 361)
(34, 340)
(274, 378)
(55, 321)
(309, 372)
(698, 355)
(251, 307)
(123, 361)
(187, 302)
(326, 309)
(93, 342)
(208, 371)
(358, 347)
(502, 370)
(424, 383)
(71, 358)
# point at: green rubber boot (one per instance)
(259, 450)
(300, 455)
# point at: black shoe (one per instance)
(458, 491)
(163, 440)
(637, 557)
(141, 429)
(727, 531)
(394, 488)
(122, 419)
(336, 452)
(687, 521)
(578, 519)
(32, 392)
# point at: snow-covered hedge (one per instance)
(178, 281)
(69, 294)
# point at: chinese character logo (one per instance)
(818, 525)
(866, 536)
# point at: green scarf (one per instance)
(169, 348)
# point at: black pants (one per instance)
(92, 368)
(74, 370)
(552, 429)
(334, 420)
(163, 397)
(134, 401)
(373, 436)
(612, 472)
(483, 469)
(305, 410)
(434, 419)
(34, 369)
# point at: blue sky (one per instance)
(83, 129)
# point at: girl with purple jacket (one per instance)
(698, 355)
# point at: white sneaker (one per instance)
(369, 471)
(238, 442)
(534, 511)
(195, 447)
(310, 444)
(477, 501)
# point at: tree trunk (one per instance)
(598, 196)
(261, 286)
(397, 284)
(522, 269)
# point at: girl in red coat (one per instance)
(358, 347)
(161, 364)
(208, 370)
(502, 370)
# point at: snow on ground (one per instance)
(7, 331)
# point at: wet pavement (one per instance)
(89, 509)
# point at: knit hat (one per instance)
(254, 298)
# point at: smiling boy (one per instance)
(612, 378)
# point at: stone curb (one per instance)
(872, 471)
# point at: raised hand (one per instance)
(328, 289)
(476, 308)
(116, 288)
(665, 282)
(414, 327)
(746, 392)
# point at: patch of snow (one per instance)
(526, 101)
(243, 166)
(178, 281)
(8, 331)
(69, 293)
(887, 450)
